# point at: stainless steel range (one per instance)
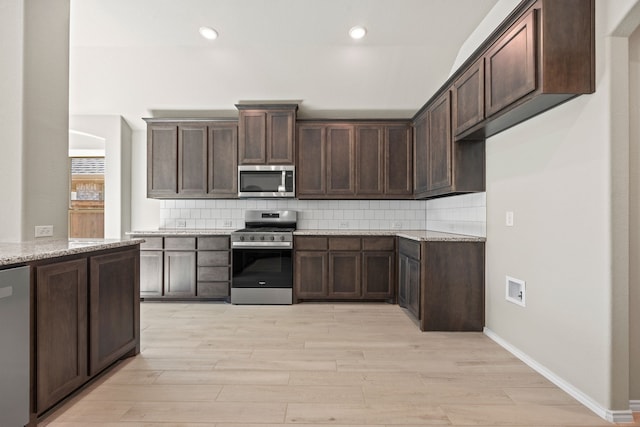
(262, 258)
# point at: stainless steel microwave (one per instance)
(266, 181)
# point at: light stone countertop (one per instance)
(22, 252)
(418, 235)
(181, 232)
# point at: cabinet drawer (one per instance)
(310, 243)
(217, 243)
(378, 243)
(213, 289)
(410, 248)
(213, 258)
(180, 243)
(344, 243)
(213, 274)
(151, 243)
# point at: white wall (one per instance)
(555, 173)
(34, 117)
(634, 216)
(116, 134)
(11, 81)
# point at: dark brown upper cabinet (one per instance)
(511, 65)
(369, 160)
(542, 55)
(162, 159)
(341, 161)
(468, 98)
(354, 160)
(443, 166)
(266, 134)
(439, 146)
(223, 160)
(191, 159)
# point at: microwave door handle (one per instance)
(283, 182)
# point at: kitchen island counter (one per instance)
(23, 252)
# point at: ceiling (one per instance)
(145, 58)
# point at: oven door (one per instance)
(262, 268)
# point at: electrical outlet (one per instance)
(344, 224)
(44, 230)
(181, 223)
(227, 223)
(509, 219)
(396, 225)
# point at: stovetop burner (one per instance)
(265, 229)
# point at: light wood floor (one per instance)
(314, 364)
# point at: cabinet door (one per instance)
(439, 147)
(378, 275)
(312, 168)
(114, 321)
(310, 274)
(403, 277)
(369, 160)
(420, 155)
(252, 136)
(162, 160)
(192, 159)
(511, 65)
(468, 98)
(180, 273)
(413, 287)
(223, 160)
(344, 275)
(151, 273)
(280, 143)
(340, 161)
(398, 161)
(61, 330)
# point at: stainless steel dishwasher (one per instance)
(14, 346)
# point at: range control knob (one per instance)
(282, 238)
(252, 238)
(273, 238)
(241, 238)
(261, 237)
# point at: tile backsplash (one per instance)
(312, 214)
(465, 214)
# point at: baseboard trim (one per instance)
(624, 416)
(634, 405)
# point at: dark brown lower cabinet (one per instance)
(85, 316)
(344, 275)
(115, 303)
(452, 290)
(344, 268)
(61, 330)
(409, 276)
(185, 267)
(310, 276)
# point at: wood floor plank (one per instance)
(314, 364)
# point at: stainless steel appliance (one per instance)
(14, 356)
(266, 181)
(262, 258)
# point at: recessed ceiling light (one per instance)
(357, 32)
(208, 33)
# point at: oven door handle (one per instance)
(261, 245)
